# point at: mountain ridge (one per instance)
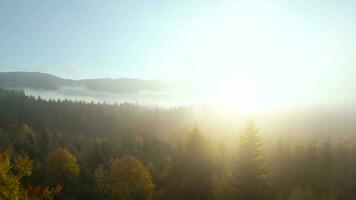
(45, 81)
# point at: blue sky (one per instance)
(80, 39)
(157, 39)
(72, 38)
(299, 49)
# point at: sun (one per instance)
(237, 94)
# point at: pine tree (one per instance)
(282, 171)
(249, 173)
(197, 166)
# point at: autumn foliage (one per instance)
(125, 178)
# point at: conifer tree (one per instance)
(249, 173)
(197, 166)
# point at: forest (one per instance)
(61, 149)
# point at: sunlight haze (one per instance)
(177, 99)
(294, 53)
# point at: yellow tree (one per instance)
(10, 180)
(62, 166)
(63, 169)
(126, 179)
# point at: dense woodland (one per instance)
(53, 149)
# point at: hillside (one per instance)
(43, 81)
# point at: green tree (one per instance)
(325, 176)
(346, 171)
(197, 166)
(222, 187)
(282, 172)
(249, 173)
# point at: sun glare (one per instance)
(237, 94)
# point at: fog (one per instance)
(312, 121)
(156, 99)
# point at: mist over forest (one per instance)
(173, 152)
(132, 139)
(177, 100)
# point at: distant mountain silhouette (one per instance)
(43, 81)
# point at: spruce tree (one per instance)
(249, 173)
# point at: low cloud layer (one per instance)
(161, 99)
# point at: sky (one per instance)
(285, 51)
